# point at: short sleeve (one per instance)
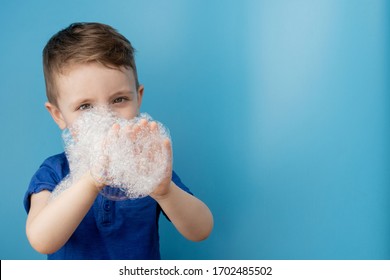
(179, 183)
(48, 176)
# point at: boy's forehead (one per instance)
(88, 71)
(82, 79)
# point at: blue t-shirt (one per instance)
(125, 229)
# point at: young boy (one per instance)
(88, 65)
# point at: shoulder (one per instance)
(56, 167)
(47, 177)
(56, 161)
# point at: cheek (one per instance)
(128, 113)
(70, 119)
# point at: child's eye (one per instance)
(85, 107)
(120, 100)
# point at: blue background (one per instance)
(279, 113)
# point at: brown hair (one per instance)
(85, 43)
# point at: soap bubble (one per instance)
(129, 156)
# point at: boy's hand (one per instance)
(98, 170)
(162, 190)
(158, 147)
(151, 153)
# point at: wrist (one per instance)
(166, 194)
(98, 180)
(94, 184)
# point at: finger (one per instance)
(114, 131)
(129, 132)
(167, 146)
(143, 122)
(112, 135)
(138, 129)
(153, 126)
(116, 127)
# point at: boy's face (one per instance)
(90, 85)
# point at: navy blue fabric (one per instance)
(125, 229)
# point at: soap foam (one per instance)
(129, 156)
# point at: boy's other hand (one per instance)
(163, 188)
(150, 149)
(99, 168)
(163, 146)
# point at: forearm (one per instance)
(191, 217)
(51, 226)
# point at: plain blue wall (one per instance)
(279, 113)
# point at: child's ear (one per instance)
(140, 93)
(56, 115)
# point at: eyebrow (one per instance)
(122, 92)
